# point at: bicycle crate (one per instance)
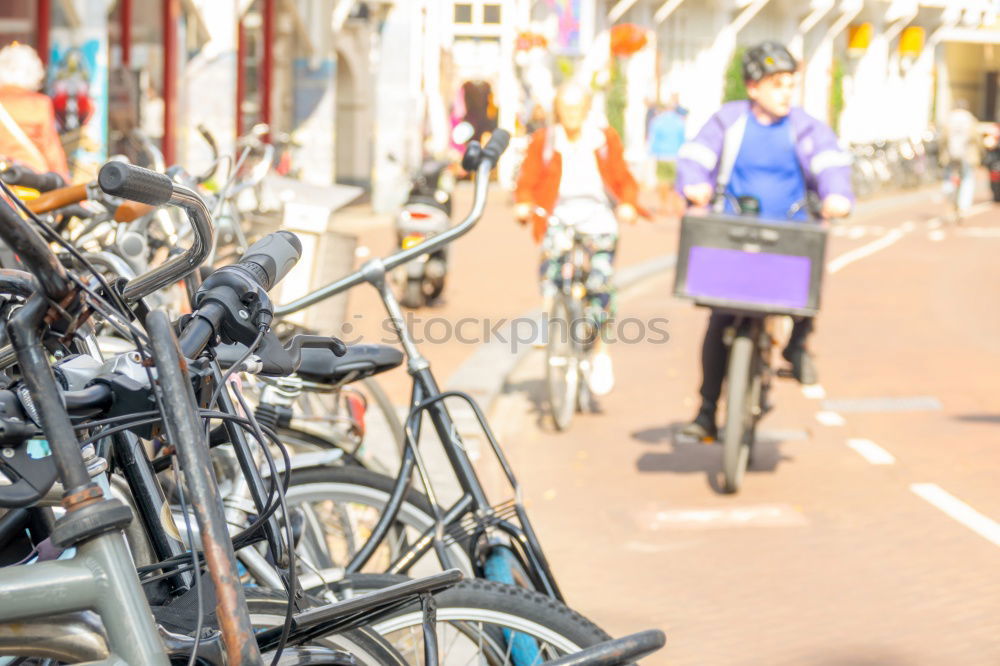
(751, 265)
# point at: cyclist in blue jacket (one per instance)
(767, 149)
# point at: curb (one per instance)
(484, 374)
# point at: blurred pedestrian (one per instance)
(27, 118)
(961, 143)
(665, 138)
(575, 172)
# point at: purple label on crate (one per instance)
(749, 277)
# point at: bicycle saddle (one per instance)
(321, 366)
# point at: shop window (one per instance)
(491, 14)
(463, 12)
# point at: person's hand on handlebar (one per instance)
(700, 195)
(522, 212)
(835, 206)
(626, 213)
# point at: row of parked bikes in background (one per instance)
(909, 163)
(186, 477)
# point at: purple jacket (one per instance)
(709, 157)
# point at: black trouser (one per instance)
(715, 354)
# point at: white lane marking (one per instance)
(935, 223)
(762, 515)
(871, 451)
(936, 235)
(856, 233)
(864, 251)
(814, 391)
(985, 527)
(830, 419)
(908, 226)
(979, 208)
(980, 232)
(644, 547)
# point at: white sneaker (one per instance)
(602, 376)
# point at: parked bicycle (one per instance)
(159, 431)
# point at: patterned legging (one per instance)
(601, 298)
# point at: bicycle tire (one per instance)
(562, 373)
(357, 485)
(557, 628)
(735, 439)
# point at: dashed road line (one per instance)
(871, 451)
(936, 235)
(864, 251)
(955, 508)
(917, 403)
(979, 208)
(761, 515)
(814, 391)
(829, 418)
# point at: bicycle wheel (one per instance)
(341, 506)
(739, 419)
(480, 621)
(562, 372)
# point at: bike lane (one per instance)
(845, 546)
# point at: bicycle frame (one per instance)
(427, 396)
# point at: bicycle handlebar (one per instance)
(490, 154)
(625, 650)
(21, 175)
(155, 189)
(58, 198)
(18, 233)
(270, 258)
(233, 289)
(135, 183)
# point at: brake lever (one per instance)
(300, 342)
(277, 360)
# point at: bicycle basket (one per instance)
(751, 265)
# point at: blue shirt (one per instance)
(767, 168)
(666, 134)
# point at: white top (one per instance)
(583, 202)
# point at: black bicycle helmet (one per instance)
(765, 59)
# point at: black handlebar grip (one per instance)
(270, 258)
(43, 182)
(473, 153)
(135, 183)
(497, 144)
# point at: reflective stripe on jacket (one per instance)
(709, 157)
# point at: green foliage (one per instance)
(736, 89)
(836, 93)
(564, 68)
(615, 101)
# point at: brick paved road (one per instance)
(824, 558)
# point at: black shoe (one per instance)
(803, 367)
(702, 428)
